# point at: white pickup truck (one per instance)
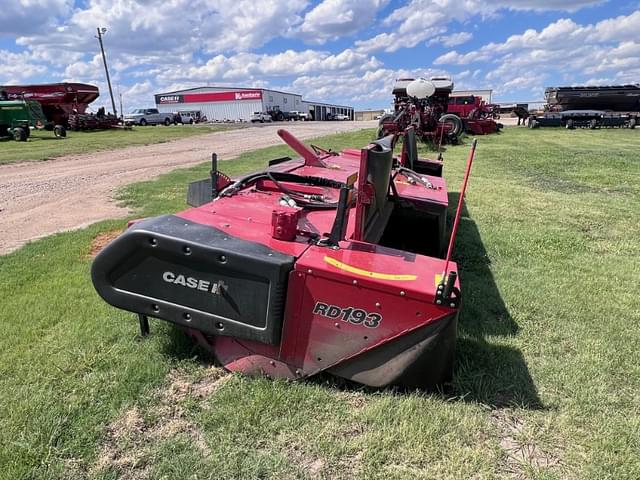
(147, 116)
(296, 115)
(260, 117)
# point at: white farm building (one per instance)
(237, 104)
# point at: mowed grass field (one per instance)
(547, 379)
(43, 145)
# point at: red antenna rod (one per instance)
(456, 221)
(310, 157)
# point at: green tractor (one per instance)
(17, 116)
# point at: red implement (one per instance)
(58, 100)
(331, 264)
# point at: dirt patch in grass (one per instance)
(182, 386)
(356, 400)
(314, 464)
(123, 450)
(314, 468)
(521, 453)
(102, 240)
(127, 448)
(311, 465)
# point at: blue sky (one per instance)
(343, 51)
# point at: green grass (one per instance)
(547, 381)
(42, 145)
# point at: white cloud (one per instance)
(563, 47)
(84, 69)
(599, 81)
(18, 17)
(152, 33)
(452, 39)
(18, 67)
(167, 27)
(542, 5)
(392, 42)
(332, 19)
(421, 20)
(249, 66)
(564, 36)
(455, 58)
(619, 28)
(455, 39)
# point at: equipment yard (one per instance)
(547, 372)
(40, 198)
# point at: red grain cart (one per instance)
(58, 100)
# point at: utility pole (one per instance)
(101, 31)
(120, 97)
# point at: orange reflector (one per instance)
(366, 273)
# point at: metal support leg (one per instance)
(144, 324)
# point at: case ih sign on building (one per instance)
(230, 96)
(165, 99)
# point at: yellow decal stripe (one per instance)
(365, 273)
(438, 279)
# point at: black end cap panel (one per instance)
(196, 276)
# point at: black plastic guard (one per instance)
(428, 167)
(199, 192)
(196, 276)
(422, 358)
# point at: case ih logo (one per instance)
(170, 99)
(248, 95)
(216, 288)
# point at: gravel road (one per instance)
(41, 198)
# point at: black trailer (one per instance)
(616, 98)
(593, 119)
(607, 106)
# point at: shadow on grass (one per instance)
(495, 375)
(181, 346)
(52, 137)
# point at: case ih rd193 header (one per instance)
(331, 262)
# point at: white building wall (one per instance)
(234, 110)
(285, 101)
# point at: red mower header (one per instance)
(333, 262)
